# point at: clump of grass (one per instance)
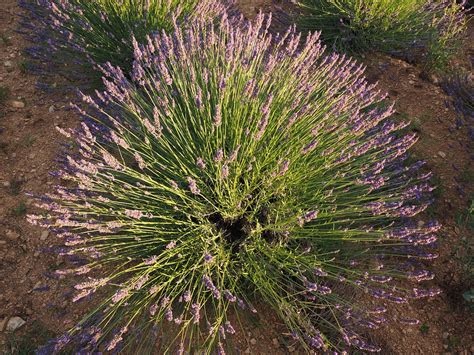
(459, 85)
(15, 186)
(28, 140)
(424, 328)
(234, 170)
(24, 66)
(469, 298)
(407, 28)
(75, 37)
(6, 41)
(20, 210)
(464, 251)
(4, 94)
(29, 341)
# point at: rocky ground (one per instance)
(34, 305)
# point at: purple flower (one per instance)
(211, 287)
(200, 164)
(187, 296)
(229, 296)
(134, 214)
(219, 155)
(171, 245)
(208, 258)
(195, 311)
(193, 186)
(229, 328)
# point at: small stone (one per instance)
(3, 322)
(411, 82)
(442, 154)
(44, 235)
(51, 109)
(253, 341)
(291, 349)
(275, 342)
(434, 79)
(12, 235)
(247, 351)
(18, 104)
(6, 184)
(445, 335)
(8, 63)
(15, 323)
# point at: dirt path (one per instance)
(29, 147)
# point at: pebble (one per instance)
(442, 154)
(44, 235)
(6, 184)
(275, 342)
(434, 79)
(8, 63)
(18, 104)
(3, 322)
(15, 323)
(51, 109)
(247, 351)
(253, 341)
(291, 349)
(12, 235)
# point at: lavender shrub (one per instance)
(237, 168)
(71, 38)
(459, 85)
(429, 30)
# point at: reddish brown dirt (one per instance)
(29, 146)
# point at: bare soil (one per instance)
(30, 145)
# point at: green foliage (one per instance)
(465, 249)
(469, 298)
(15, 186)
(83, 34)
(424, 328)
(4, 94)
(6, 41)
(20, 210)
(24, 66)
(28, 342)
(409, 28)
(232, 170)
(459, 85)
